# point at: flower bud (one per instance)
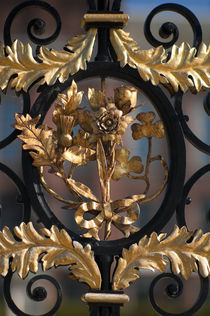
(125, 98)
(65, 140)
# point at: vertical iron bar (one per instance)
(93, 310)
(104, 263)
(104, 311)
(103, 5)
(92, 5)
(116, 310)
(116, 5)
(103, 35)
(103, 45)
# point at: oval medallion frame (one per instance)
(175, 141)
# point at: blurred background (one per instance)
(197, 212)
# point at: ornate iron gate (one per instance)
(100, 132)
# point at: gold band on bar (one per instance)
(104, 17)
(105, 298)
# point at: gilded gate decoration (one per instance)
(94, 134)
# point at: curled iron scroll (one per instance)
(169, 28)
(193, 139)
(174, 290)
(23, 193)
(38, 294)
(180, 213)
(26, 107)
(37, 25)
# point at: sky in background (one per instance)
(201, 8)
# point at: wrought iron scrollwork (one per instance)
(169, 28)
(23, 196)
(36, 26)
(10, 138)
(38, 294)
(174, 290)
(186, 199)
(82, 136)
(193, 139)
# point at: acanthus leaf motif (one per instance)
(54, 64)
(78, 154)
(183, 69)
(185, 257)
(81, 189)
(36, 138)
(57, 249)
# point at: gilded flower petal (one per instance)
(146, 117)
(125, 120)
(147, 129)
(135, 165)
(85, 120)
(122, 155)
(125, 98)
(137, 131)
(159, 129)
(118, 172)
(96, 99)
(69, 103)
(124, 166)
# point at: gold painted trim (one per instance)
(53, 147)
(108, 17)
(54, 65)
(151, 253)
(184, 69)
(55, 248)
(105, 298)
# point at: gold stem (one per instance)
(149, 160)
(130, 176)
(103, 83)
(73, 166)
(52, 192)
(110, 170)
(165, 168)
(147, 165)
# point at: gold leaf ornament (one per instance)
(125, 98)
(56, 248)
(125, 166)
(151, 253)
(184, 68)
(147, 128)
(109, 124)
(78, 155)
(69, 102)
(96, 99)
(110, 213)
(96, 140)
(38, 139)
(54, 64)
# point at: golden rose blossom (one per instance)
(109, 124)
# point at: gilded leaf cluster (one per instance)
(36, 138)
(51, 247)
(54, 64)
(150, 253)
(184, 68)
(98, 138)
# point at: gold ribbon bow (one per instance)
(109, 213)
